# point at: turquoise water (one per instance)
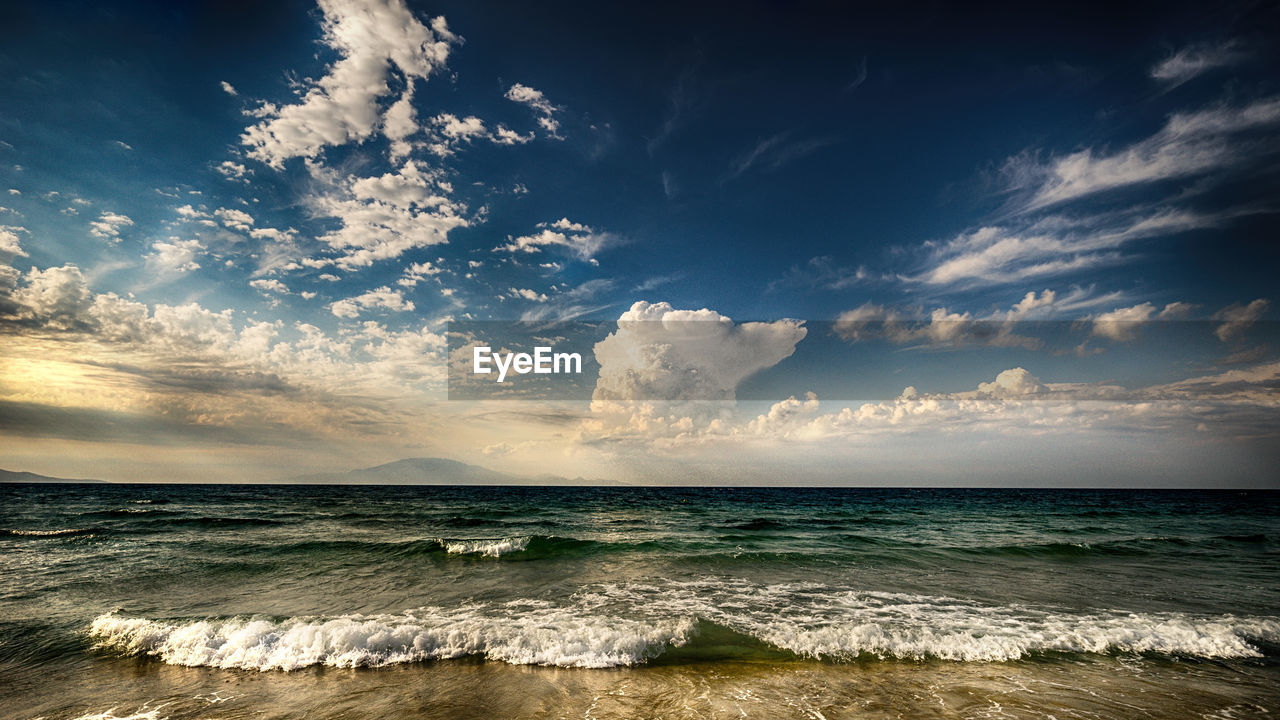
(339, 601)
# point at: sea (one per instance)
(216, 602)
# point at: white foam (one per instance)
(521, 634)
(815, 621)
(141, 714)
(628, 623)
(51, 533)
(486, 548)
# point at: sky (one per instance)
(822, 243)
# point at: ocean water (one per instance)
(167, 601)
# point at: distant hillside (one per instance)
(15, 476)
(422, 471)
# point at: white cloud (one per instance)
(1196, 59)
(57, 296)
(9, 241)
(1122, 324)
(1238, 318)
(270, 285)
(659, 352)
(526, 95)
(235, 219)
(1189, 144)
(527, 294)
(506, 136)
(580, 240)
(1051, 246)
(108, 226)
(417, 272)
(399, 123)
(232, 170)
(229, 89)
(455, 128)
(383, 297)
(383, 217)
(176, 256)
(371, 37)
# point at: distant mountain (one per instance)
(15, 476)
(424, 471)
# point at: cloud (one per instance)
(942, 327)
(461, 129)
(177, 256)
(1190, 143)
(823, 273)
(1122, 324)
(228, 88)
(659, 352)
(108, 226)
(233, 170)
(399, 123)
(382, 217)
(235, 219)
(1195, 60)
(538, 102)
(506, 136)
(580, 240)
(527, 294)
(1051, 245)
(270, 285)
(383, 297)
(10, 242)
(772, 153)
(57, 297)
(370, 37)
(1238, 318)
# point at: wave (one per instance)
(615, 625)
(487, 548)
(528, 636)
(67, 532)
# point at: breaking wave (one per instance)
(620, 625)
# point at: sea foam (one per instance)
(527, 635)
(627, 624)
(486, 548)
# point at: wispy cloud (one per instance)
(772, 153)
(1197, 59)
(1189, 144)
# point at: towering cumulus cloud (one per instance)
(660, 353)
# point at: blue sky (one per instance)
(233, 235)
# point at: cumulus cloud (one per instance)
(57, 296)
(235, 219)
(382, 217)
(108, 226)
(229, 89)
(1195, 60)
(174, 256)
(1122, 324)
(538, 102)
(270, 285)
(10, 243)
(383, 297)
(660, 352)
(370, 37)
(232, 170)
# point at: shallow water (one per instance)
(285, 601)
